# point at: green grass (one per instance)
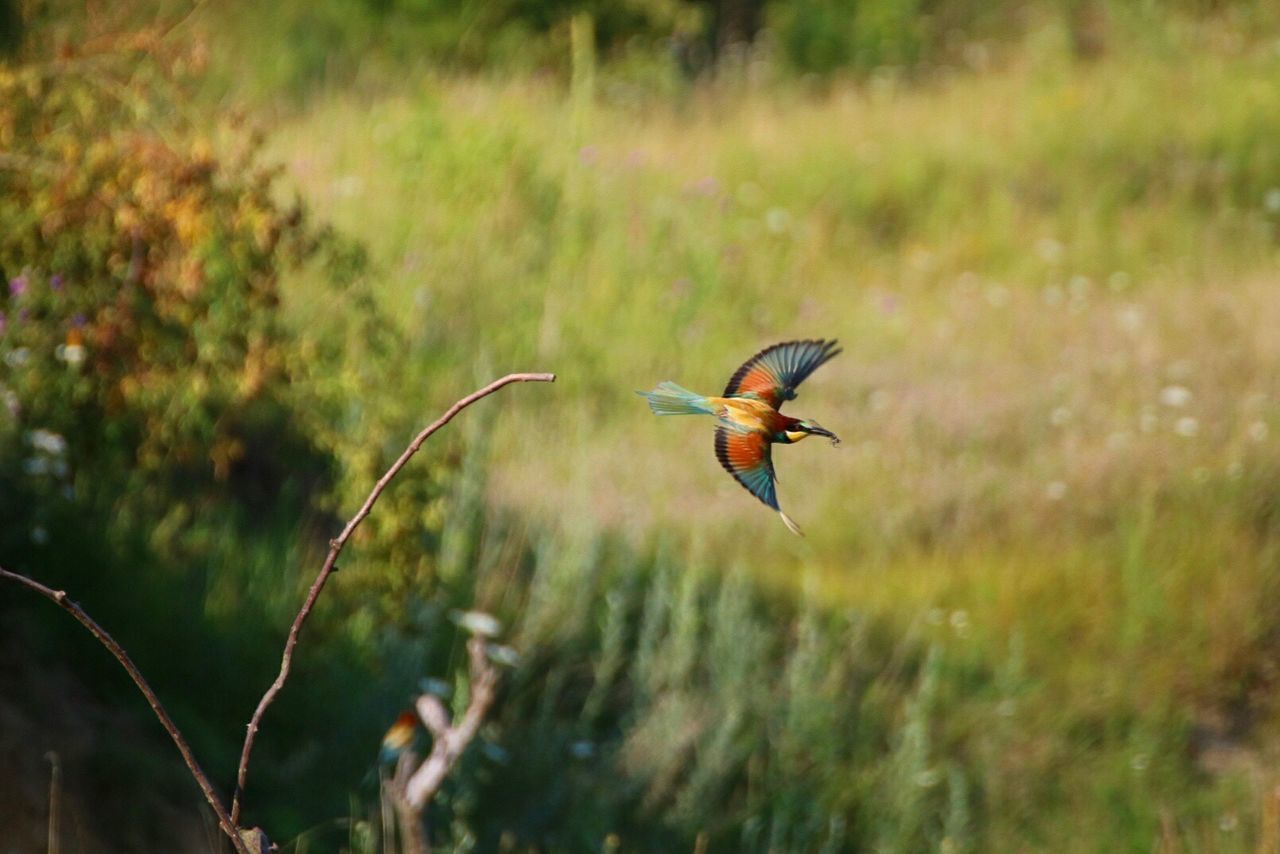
(1035, 606)
(1056, 287)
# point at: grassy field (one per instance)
(1035, 608)
(1057, 289)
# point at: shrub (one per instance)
(140, 332)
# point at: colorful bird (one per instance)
(398, 738)
(749, 423)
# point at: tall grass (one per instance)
(1038, 574)
(1036, 606)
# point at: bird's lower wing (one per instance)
(747, 457)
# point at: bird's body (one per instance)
(398, 737)
(749, 420)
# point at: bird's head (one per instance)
(804, 428)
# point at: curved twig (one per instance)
(60, 598)
(335, 547)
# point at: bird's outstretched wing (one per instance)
(773, 374)
(747, 456)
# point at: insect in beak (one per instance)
(822, 431)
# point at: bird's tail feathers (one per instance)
(670, 399)
(791, 525)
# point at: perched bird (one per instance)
(749, 421)
(398, 738)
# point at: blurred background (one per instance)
(249, 249)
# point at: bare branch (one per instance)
(450, 743)
(335, 548)
(59, 597)
(411, 790)
(433, 714)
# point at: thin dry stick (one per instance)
(411, 789)
(55, 803)
(60, 598)
(335, 547)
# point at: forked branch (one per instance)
(412, 789)
(229, 821)
(335, 548)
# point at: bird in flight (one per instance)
(749, 422)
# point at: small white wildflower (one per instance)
(1139, 762)
(1049, 249)
(1117, 439)
(1271, 201)
(74, 354)
(17, 357)
(777, 220)
(1118, 281)
(502, 654)
(1175, 395)
(438, 687)
(48, 441)
(1131, 318)
(1186, 426)
(1147, 420)
(494, 753)
(928, 778)
(348, 186)
(959, 620)
(477, 623)
(1055, 491)
(1228, 823)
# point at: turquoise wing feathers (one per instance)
(670, 399)
(748, 457)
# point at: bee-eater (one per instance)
(398, 738)
(748, 419)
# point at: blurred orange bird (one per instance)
(748, 416)
(398, 738)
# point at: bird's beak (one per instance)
(822, 431)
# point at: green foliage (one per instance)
(824, 36)
(646, 710)
(337, 42)
(1039, 583)
(141, 301)
(170, 444)
(1051, 586)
